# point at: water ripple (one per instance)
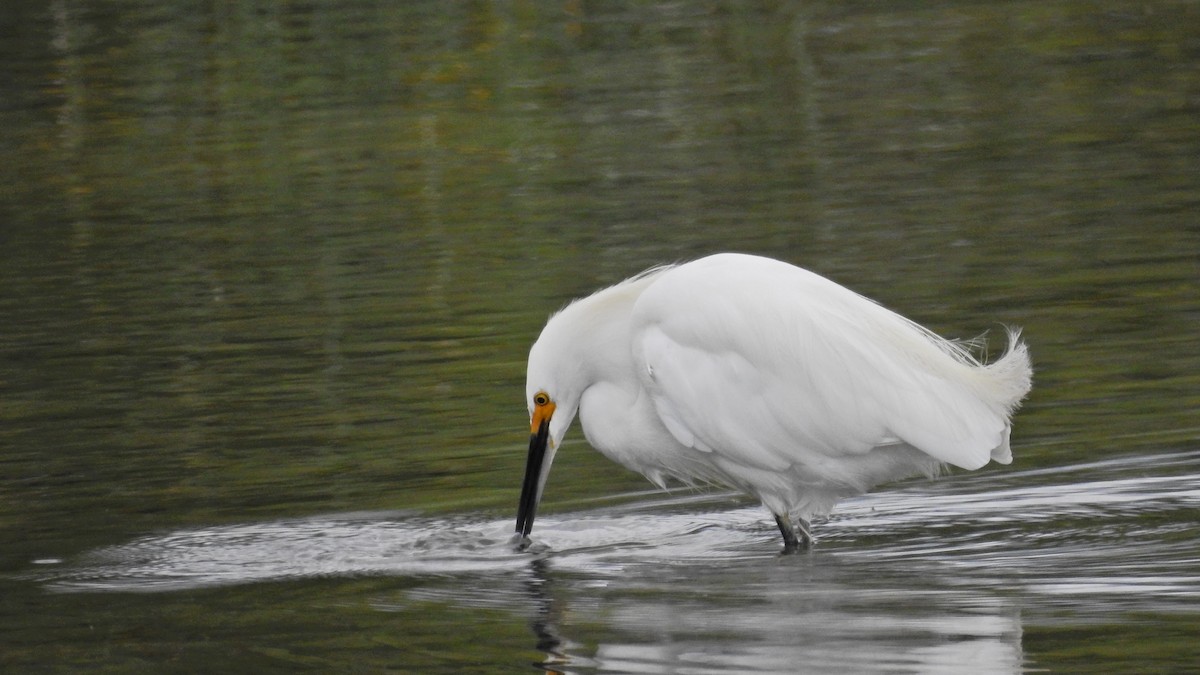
(1123, 528)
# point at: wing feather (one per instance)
(770, 365)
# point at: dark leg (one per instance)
(796, 536)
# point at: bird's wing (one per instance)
(769, 365)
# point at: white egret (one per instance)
(751, 373)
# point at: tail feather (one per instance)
(1010, 378)
(1011, 375)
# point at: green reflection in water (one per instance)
(258, 262)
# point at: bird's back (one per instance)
(796, 389)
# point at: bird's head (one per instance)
(584, 344)
(553, 388)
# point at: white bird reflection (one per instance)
(786, 625)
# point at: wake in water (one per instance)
(1102, 528)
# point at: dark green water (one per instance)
(269, 273)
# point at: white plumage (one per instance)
(755, 374)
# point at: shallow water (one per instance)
(1019, 530)
(932, 577)
(269, 275)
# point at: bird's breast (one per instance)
(620, 422)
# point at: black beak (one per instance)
(531, 492)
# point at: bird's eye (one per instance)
(541, 399)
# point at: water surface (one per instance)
(938, 577)
(268, 277)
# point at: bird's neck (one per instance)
(593, 336)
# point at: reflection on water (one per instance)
(935, 577)
(264, 262)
